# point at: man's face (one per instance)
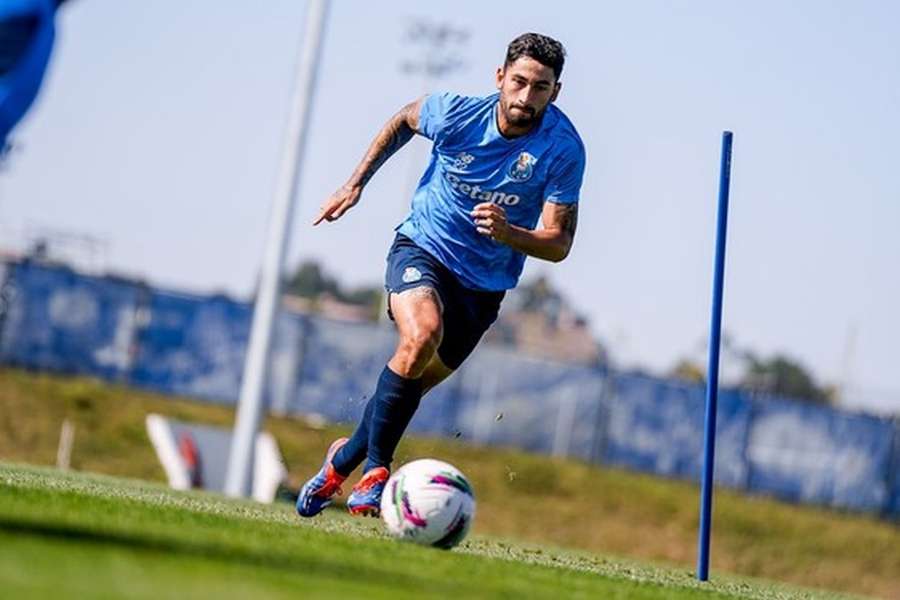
(526, 88)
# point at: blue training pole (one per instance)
(712, 385)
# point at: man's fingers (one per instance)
(323, 214)
(326, 213)
(332, 211)
(489, 220)
(341, 209)
(486, 214)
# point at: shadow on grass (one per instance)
(335, 565)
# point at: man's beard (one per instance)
(523, 117)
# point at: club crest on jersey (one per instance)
(411, 274)
(522, 168)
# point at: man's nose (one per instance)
(527, 95)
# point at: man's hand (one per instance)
(552, 242)
(340, 202)
(490, 221)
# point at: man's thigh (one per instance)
(417, 312)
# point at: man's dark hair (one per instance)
(541, 48)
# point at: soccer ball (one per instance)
(428, 502)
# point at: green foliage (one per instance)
(310, 281)
(687, 370)
(783, 376)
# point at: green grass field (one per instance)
(84, 536)
(531, 503)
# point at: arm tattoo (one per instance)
(391, 138)
(569, 218)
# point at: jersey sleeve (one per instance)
(566, 174)
(437, 114)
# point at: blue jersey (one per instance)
(471, 163)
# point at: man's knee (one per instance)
(417, 347)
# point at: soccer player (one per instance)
(26, 40)
(499, 164)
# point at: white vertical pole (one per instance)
(565, 422)
(250, 405)
(484, 410)
(64, 451)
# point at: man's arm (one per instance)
(393, 136)
(552, 242)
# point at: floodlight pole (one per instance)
(250, 404)
(712, 372)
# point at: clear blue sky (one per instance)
(159, 129)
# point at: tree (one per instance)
(688, 370)
(311, 281)
(784, 376)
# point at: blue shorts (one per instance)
(467, 313)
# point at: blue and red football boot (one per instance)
(365, 499)
(319, 492)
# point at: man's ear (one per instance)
(499, 78)
(556, 89)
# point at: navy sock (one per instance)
(396, 400)
(354, 451)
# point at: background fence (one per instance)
(54, 319)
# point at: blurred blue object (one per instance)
(54, 319)
(657, 426)
(191, 345)
(27, 33)
(815, 454)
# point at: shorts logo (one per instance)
(523, 167)
(411, 274)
